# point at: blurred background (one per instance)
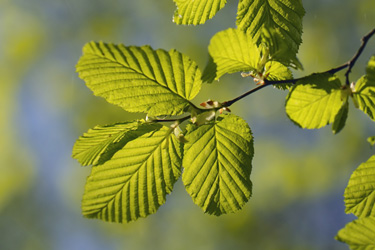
(299, 176)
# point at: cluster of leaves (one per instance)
(359, 200)
(321, 99)
(359, 195)
(136, 163)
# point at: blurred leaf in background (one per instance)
(18, 48)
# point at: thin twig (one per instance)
(351, 63)
(229, 103)
(337, 69)
(266, 83)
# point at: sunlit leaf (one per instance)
(364, 90)
(136, 180)
(278, 49)
(196, 11)
(360, 192)
(314, 101)
(371, 140)
(340, 118)
(140, 79)
(217, 164)
(370, 69)
(359, 234)
(210, 71)
(101, 142)
(275, 71)
(282, 17)
(233, 51)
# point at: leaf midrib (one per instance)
(135, 173)
(137, 72)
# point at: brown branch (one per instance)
(351, 63)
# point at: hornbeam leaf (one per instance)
(282, 16)
(278, 50)
(315, 101)
(101, 142)
(370, 69)
(140, 79)
(364, 96)
(340, 118)
(371, 140)
(364, 90)
(210, 71)
(359, 234)
(233, 51)
(135, 181)
(196, 11)
(275, 71)
(217, 164)
(360, 192)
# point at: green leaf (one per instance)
(196, 11)
(360, 192)
(359, 234)
(315, 101)
(364, 91)
(340, 118)
(275, 71)
(101, 142)
(136, 180)
(283, 20)
(210, 71)
(278, 49)
(233, 51)
(140, 79)
(371, 140)
(217, 164)
(370, 69)
(364, 96)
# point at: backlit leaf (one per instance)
(360, 192)
(140, 79)
(371, 140)
(278, 48)
(196, 11)
(99, 143)
(217, 164)
(136, 180)
(359, 234)
(282, 17)
(275, 71)
(370, 69)
(233, 51)
(364, 90)
(210, 71)
(315, 101)
(340, 118)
